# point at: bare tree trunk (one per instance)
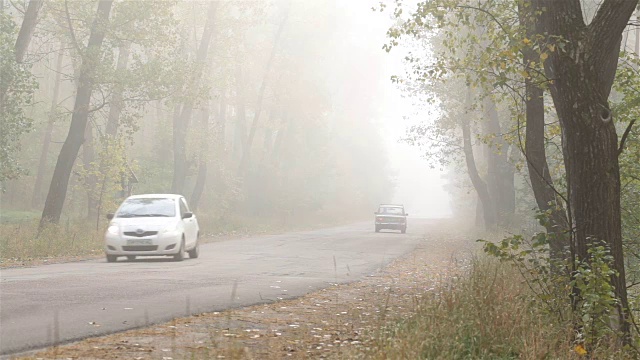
(221, 127)
(27, 29)
(246, 152)
(181, 124)
(90, 179)
(116, 106)
(36, 197)
(285, 125)
(547, 199)
(111, 132)
(583, 71)
(240, 128)
(60, 181)
(201, 179)
(496, 160)
(479, 185)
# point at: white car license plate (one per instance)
(139, 242)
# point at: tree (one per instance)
(182, 121)
(22, 42)
(46, 141)
(582, 70)
(547, 198)
(481, 187)
(248, 142)
(62, 172)
(16, 86)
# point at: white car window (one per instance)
(147, 207)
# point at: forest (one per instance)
(267, 113)
(243, 107)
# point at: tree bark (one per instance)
(547, 199)
(201, 179)
(479, 185)
(27, 29)
(240, 128)
(90, 178)
(60, 181)
(583, 70)
(116, 105)
(221, 127)
(181, 124)
(36, 197)
(500, 186)
(285, 126)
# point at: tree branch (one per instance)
(624, 136)
(72, 33)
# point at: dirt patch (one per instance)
(333, 322)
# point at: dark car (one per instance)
(391, 217)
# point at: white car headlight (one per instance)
(113, 229)
(171, 227)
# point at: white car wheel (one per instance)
(180, 255)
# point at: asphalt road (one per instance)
(45, 305)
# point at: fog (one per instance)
(418, 185)
(269, 109)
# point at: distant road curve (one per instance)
(45, 305)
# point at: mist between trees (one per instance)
(250, 109)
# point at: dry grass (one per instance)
(483, 314)
(21, 244)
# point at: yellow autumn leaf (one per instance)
(580, 350)
(544, 56)
(551, 47)
(526, 41)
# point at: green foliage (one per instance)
(106, 179)
(589, 285)
(626, 106)
(597, 299)
(19, 83)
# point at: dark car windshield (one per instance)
(391, 210)
(147, 207)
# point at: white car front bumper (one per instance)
(167, 243)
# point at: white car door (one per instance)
(189, 224)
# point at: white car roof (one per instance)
(155, 196)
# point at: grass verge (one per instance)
(486, 313)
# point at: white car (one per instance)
(152, 225)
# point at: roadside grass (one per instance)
(22, 245)
(20, 242)
(486, 313)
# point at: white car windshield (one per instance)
(391, 210)
(147, 207)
